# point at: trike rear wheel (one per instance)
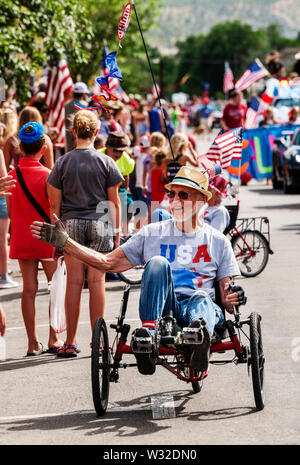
(100, 366)
(251, 250)
(257, 360)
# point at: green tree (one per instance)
(34, 31)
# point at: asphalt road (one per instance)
(45, 400)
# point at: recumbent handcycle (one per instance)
(107, 360)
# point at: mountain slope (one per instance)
(181, 18)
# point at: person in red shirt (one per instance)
(158, 176)
(234, 112)
(23, 247)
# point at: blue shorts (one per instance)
(3, 208)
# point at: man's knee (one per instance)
(157, 263)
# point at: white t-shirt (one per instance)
(139, 158)
(197, 259)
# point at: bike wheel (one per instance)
(132, 276)
(197, 385)
(251, 251)
(257, 360)
(100, 366)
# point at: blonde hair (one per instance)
(10, 120)
(85, 123)
(29, 114)
(157, 139)
(179, 143)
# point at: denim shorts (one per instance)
(3, 208)
(90, 233)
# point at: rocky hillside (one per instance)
(180, 18)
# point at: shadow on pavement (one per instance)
(127, 423)
(27, 362)
(18, 295)
(285, 206)
(291, 227)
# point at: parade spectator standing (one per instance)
(155, 118)
(78, 183)
(180, 144)
(80, 91)
(12, 152)
(234, 112)
(140, 122)
(158, 176)
(116, 146)
(23, 247)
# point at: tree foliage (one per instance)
(203, 56)
(34, 31)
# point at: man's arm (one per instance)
(113, 262)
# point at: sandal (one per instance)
(41, 351)
(62, 351)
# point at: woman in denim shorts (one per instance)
(83, 192)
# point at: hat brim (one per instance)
(186, 184)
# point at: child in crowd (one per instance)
(158, 176)
(26, 249)
(99, 142)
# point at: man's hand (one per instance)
(55, 235)
(234, 295)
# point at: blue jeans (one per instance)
(158, 296)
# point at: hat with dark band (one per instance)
(193, 178)
(117, 140)
(31, 132)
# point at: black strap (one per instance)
(30, 197)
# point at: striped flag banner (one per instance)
(226, 146)
(228, 81)
(253, 73)
(59, 84)
(255, 108)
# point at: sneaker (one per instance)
(7, 283)
(200, 353)
(143, 349)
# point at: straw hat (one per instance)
(191, 177)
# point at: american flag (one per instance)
(255, 108)
(59, 84)
(226, 146)
(253, 73)
(228, 82)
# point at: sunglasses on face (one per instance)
(182, 195)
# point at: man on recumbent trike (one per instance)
(183, 256)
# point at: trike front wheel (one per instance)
(257, 360)
(100, 366)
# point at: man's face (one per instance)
(185, 202)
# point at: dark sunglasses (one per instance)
(181, 194)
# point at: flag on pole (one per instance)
(59, 84)
(113, 83)
(226, 146)
(255, 108)
(253, 73)
(228, 81)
